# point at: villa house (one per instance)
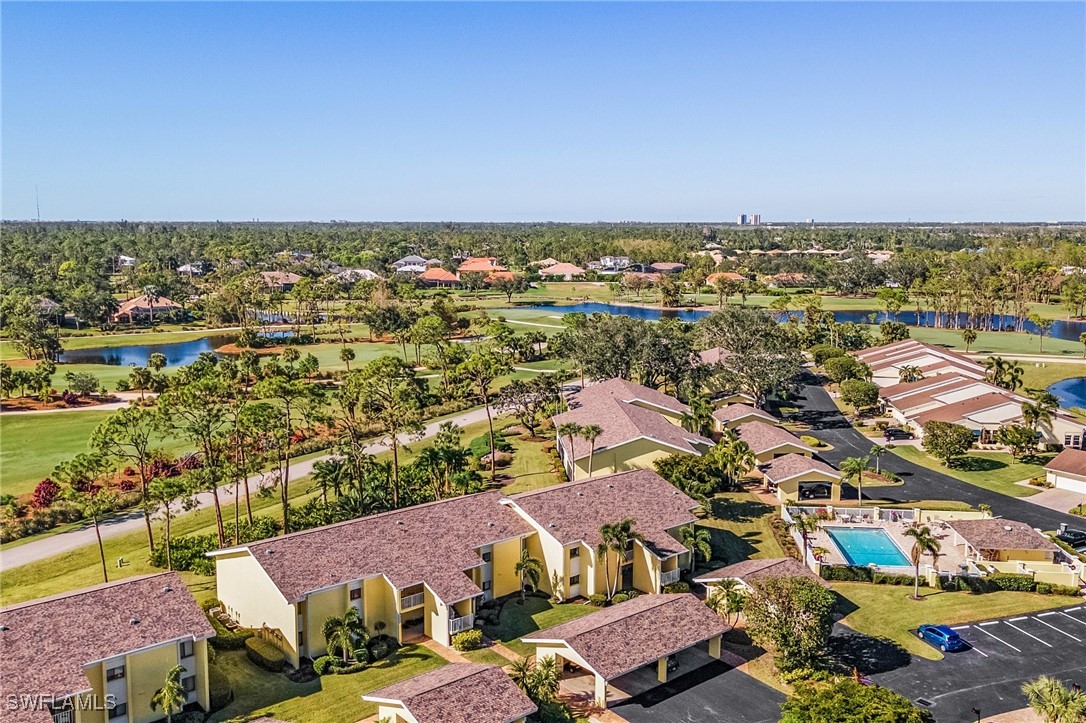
(455, 693)
(561, 272)
(146, 308)
(886, 361)
(796, 477)
(639, 426)
(100, 653)
(279, 280)
(419, 569)
(1001, 540)
(437, 276)
(410, 260)
(725, 276)
(738, 414)
(567, 521)
(480, 264)
(768, 441)
(1067, 471)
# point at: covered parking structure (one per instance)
(630, 635)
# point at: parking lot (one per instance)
(1002, 655)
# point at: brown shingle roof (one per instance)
(792, 465)
(46, 643)
(762, 437)
(432, 543)
(960, 410)
(1069, 461)
(279, 278)
(623, 637)
(736, 411)
(574, 512)
(750, 570)
(627, 391)
(1001, 535)
(459, 693)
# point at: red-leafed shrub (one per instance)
(129, 471)
(127, 484)
(45, 494)
(189, 462)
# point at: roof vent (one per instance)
(133, 621)
(399, 522)
(4, 627)
(610, 486)
(1008, 528)
(580, 494)
(490, 524)
(269, 551)
(167, 589)
(551, 525)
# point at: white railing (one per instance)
(64, 716)
(459, 625)
(412, 601)
(669, 576)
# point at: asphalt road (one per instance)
(713, 692)
(1003, 654)
(920, 483)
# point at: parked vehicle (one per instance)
(1071, 536)
(942, 637)
(892, 433)
(814, 492)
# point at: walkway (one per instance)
(128, 522)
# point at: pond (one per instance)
(1071, 392)
(179, 353)
(1068, 330)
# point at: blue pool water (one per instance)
(1071, 392)
(863, 546)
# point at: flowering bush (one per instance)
(44, 494)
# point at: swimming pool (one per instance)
(863, 546)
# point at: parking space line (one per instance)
(1029, 634)
(1077, 640)
(1014, 620)
(1050, 612)
(960, 627)
(991, 622)
(1000, 640)
(974, 647)
(1071, 617)
(1071, 610)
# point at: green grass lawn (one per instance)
(740, 529)
(486, 656)
(329, 699)
(995, 471)
(1042, 376)
(536, 613)
(997, 342)
(887, 611)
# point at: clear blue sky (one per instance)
(851, 111)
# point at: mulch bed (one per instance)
(32, 404)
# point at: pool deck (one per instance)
(950, 557)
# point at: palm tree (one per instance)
(699, 419)
(569, 430)
(171, 696)
(697, 542)
(589, 432)
(909, 374)
(156, 361)
(1054, 701)
(151, 293)
(343, 633)
(855, 467)
(529, 570)
(969, 335)
(805, 525)
(346, 355)
(726, 599)
(615, 538)
(923, 543)
(1042, 410)
(877, 450)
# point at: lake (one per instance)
(1071, 392)
(179, 353)
(1068, 330)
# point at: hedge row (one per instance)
(1003, 581)
(848, 573)
(265, 654)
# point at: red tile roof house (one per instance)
(418, 570)
(631, 635)
(567, 520)
(667, 267)
(640, 425)
(483, 264)
(105, 649)
(455, 693)
(144, 307)
(437, 276)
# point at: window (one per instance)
(1067, 440)
(118, 710)
(574, 552)
(487, 585)
(356, 594)
(574, 580)
(486, 557)
(189, 684)
(187, 648)
(115, 673)
(301, 638)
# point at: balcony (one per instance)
(66, 715)
(412, 601)
(669, 576)
(627, 556)
(459, 625)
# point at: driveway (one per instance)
(920, 483)
(1003, 654)
(714, 692)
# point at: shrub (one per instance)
(1012, 582)
(847, 573)
(220, 692)
(677, 587)
(226, 639)
(823, 352)
(554, 711)
(620, 598)
(380, 649)
(324, 664)
(598, 600)
(468, 640)
(264, 654)
(45, 494)
(480, 446)
(811, 441)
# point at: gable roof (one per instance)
(144, 304)
(732, 412)
(279, 278)
(574, 512)
(389, 544)
(956, 411)
(993, 534)
(562, 269)
(410, 260)
(623, 637)
(459, 693)
(1069, 461)
(751, 570)
(793, 465)
(627, 391)
(622, 423)
(762, 437)
(47, 643)
(724, 276)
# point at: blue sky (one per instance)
(579, 112)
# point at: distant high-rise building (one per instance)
(755, 219)
(742, 220)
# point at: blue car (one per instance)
(941, 637)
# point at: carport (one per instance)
(631, 635)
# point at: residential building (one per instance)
(196, 268)
(795, 477)
(722, 276)
(418, 570)
(567, 520)
(747, 572)
(1067, 471)
(353, 276)
(667, 267)
(887, 361)
(741, 220)
(437, 276)
(454, 693)
(280, 280)
(544, 263)
(480, 264)
(410, 260)
(1001, 540)
(146, 308)
(639, 426)
(735, 415)
(618, 640)
(562, 272)
(768, 441)
(614, 264)
(100, 653)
